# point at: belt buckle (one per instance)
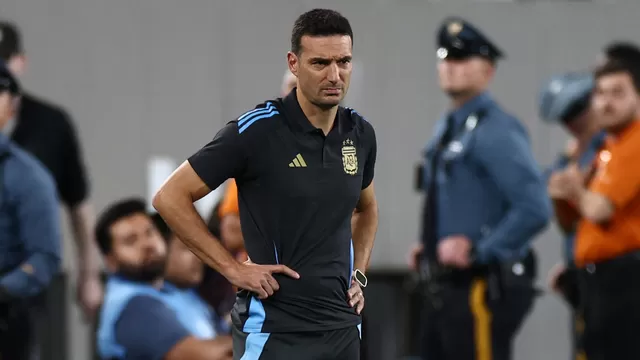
(591, 268)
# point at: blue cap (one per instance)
(458, 39)
(8, 82)
(565, 96)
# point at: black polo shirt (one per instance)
(297, 190)
(46, 131)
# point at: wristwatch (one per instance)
(360, 278)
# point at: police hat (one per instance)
(10, 40)
(565, 96)
(457, 39)
(7, 81)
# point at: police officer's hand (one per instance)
(454, 251)
(414, 256)
(259, 278)
(356, 296)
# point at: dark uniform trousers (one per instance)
(610, 297)
(16, 332)
(461, 321)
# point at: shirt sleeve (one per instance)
(619, 179)
(229, 204)
(223, 158)
(74, 187)
(33, 192)
(148, 329)
(505, 153)
(370, 165)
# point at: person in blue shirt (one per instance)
(139, 318)
(30, 234)
(565, 100)
(183, 273)
(485, 202)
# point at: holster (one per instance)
(567, 283)
(500, 277)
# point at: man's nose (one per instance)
(333, 73)
(148, 244)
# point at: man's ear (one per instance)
(293, 62)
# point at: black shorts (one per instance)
(341, 344)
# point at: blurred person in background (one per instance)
(141, 318)
(607, 245)
(566, 100)
(30, 234)
(302, 165)
(48, 133)
(485, 202)
(182, 274)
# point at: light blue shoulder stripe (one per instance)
(251, 117)
(248, 115)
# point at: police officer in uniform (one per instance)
(565, 100)
(30, 234)
(485, 202)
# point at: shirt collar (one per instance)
(478, 102)
(296, 118)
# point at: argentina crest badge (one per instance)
(349, 157)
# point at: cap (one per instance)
(565, 96)
(10, 40)
(458, 39)
(8, 82)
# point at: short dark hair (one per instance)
(319, 22)
(111, 215)
(10, 40)
(623, 51)
(618, 66)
